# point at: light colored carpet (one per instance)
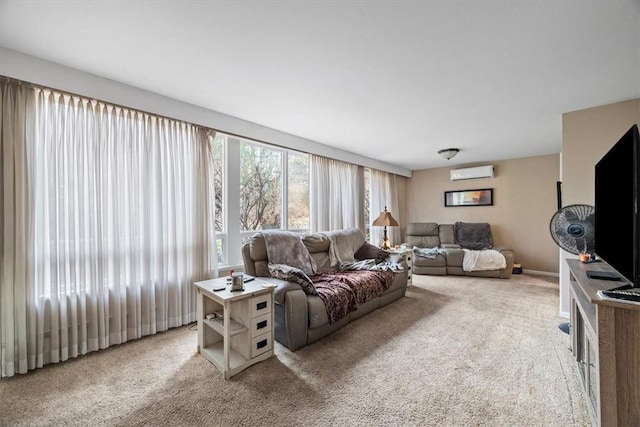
(453, 352)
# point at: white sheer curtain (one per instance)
(383, 192)
(118, 224)
(16, 226)
(336, 192)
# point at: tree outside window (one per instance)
(260, 188)
(298, 192)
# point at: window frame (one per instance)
(232, 237)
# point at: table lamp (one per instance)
(385, 220)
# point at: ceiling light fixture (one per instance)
(448, 153)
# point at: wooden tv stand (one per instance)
(605, 340)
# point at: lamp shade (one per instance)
(385, 219)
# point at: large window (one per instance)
(258, 187)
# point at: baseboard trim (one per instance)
(541, 273)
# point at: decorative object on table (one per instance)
(449, 153)
(586, 257)
(385, 219)
(480, 197)
(573, 229)
(237, 282)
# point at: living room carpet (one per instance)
(454, 352)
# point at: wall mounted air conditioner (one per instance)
(472, 173)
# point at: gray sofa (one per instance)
(300, 318)
(448, 259)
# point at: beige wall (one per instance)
(524, 197)
(586, 136)
(402, 184)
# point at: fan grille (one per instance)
(572, 228)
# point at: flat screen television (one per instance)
(617, 223)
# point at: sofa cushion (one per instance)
(369, 251)
(344, 244)
(472, 235)
(293, 274)
(423, 234)
(438, 261)
(454, 257)
(257, 248)
(447, 236)
(286, 247)
(423, 229)
(323, 262)
(316, 243)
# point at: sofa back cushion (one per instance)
(423, 234)
(344, 244)
(316, 243)
(447, 236)
(318, 246)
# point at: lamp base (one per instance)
(386, 245)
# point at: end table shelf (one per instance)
(219, 327)
(230, 349)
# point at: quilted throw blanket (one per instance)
(342, 291)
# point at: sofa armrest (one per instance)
(291, 313)
(249, 264)
(281, 289)
(509, 257)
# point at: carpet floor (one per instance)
(454, 352)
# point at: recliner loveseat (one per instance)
(448, 252)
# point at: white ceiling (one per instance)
(390, 80)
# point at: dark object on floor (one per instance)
(564, 327)
(517, 268)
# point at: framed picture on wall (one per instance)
(482, 197)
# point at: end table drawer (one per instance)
(261, 344)
(260, 324)
(260, 305)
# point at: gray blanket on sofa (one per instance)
(286, 247)
(343, 244)
(473, 235)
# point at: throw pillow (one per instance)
(369, 251)
(293, 274)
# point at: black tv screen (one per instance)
(616, 206)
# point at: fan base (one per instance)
(564, 327)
